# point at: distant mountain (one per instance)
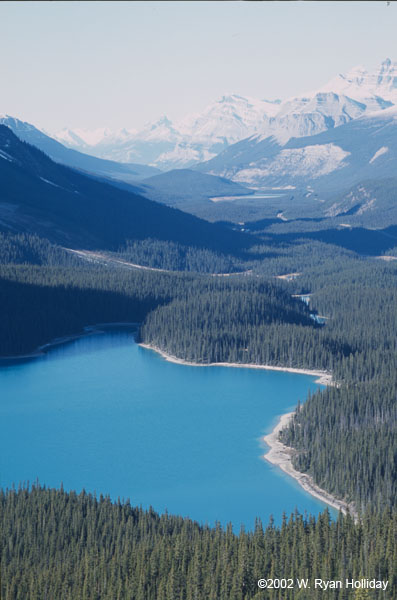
(363, 148)
(224, 122)
(200, 137)
(55, 150)
(183, 186)
(58, 203)
(126, 146)
(195, 138)
(375, 88)
(344, 98)
(304, 116)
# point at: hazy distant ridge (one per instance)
(232, 118)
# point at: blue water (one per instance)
(103, 414)
(249, 197)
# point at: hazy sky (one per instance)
(121, 64)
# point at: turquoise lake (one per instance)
(105, 415)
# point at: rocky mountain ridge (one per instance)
(232, 118)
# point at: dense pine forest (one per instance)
(76, 547)
(59, 545)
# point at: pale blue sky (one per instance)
(121, 64)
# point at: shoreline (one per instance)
(323, 377)
(278, 454)
(87, 331)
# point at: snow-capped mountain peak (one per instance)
(232, 118)
(194, 138)
(362, 84)
(86, 138)
(163, 121)
(311, 114)
(388, 75)
(161, 128)
(345, 97)
(227, 120)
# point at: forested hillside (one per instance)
(47, 300)
(245, 321)
(66, 546)
(172, 256)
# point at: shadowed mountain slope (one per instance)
(72, 158)
(42, 197)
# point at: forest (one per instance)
(59, 545)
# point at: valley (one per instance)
(259, 235)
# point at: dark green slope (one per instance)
(42, 197)
(66, 546)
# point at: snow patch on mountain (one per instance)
(6, 156)
(310, 161)
(388, 114)
(369, 205)
(379, 152)
(185, 155)
(51, 183)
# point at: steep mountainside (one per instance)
(42, 197)
(72, 158)
(363, 148)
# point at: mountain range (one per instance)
(72, 158)
(196, 138)
(363, 148)
(321, 142)
(200, 137)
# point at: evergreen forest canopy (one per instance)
(231, 298)
(66, 546)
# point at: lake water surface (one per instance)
(103, 414)
(257, 196)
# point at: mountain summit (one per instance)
(362, 85)
(200, 137)
(195, 138)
